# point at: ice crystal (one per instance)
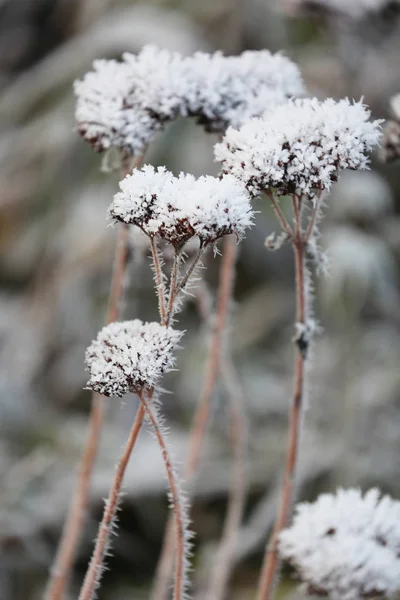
(228, 90)
(347, 545)
(299, 147)
(128, 355)
(179, 208)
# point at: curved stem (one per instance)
(200, 419)
(180, 519)
(173, 286)
(271, 559)
(280, 216)
(77, 511)
(223, 563)
(96, 565)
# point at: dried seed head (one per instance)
(226, 91)
(299, 147)
(346, 546)
(128, 355)
(179, 208)
(390, 150)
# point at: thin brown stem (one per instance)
(280, 216)
(159, 281)
(176, 501)
(76, 515)
(189, 272)
(173, 285)
(312, 222)
(201, 417)
(95, 568)
(223, 563)
(271, 559)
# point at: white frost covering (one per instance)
(123, 104)
(299, 147)
(128, 355)
(347, 545)
(228, 90)
(179, 208)
(107, 115)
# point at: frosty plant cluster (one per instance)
(346, 545)
(292, 149)
(124, 104)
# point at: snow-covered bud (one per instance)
(179, 208)
(128, 355)
(228, 90)
(346, 546)
(299, 147)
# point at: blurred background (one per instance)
(55, 266)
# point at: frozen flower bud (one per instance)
(228, 90)
(128, 355)
(107, 114)
(346, 546)
(299, 147)
(179, 208)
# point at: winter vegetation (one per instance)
(304, 160)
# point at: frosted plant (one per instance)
(107, 114)
(300, 147)
(357, 9)
(391, 140)
(227, 90)
(124, 104)
(346, 545)
(179, 208)
(128, 355)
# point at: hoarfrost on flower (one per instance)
(128, 355)
(228, 90)
(179, 208)
(347, 545)
(106, 113)
(299, 147)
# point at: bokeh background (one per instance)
(55, 266)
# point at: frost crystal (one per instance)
(179, 208)
(346, 546)
(299, 147)
(228, 90)
(128, 355)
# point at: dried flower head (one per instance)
(123, 104)
(179, 208)
(128, 355)
(107, 114)
(390, 150)
(346, 546)
(228, 90)
(299, 147)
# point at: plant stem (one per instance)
(176, 501)
(95, 568)
(173, 286)
(200, 419)
(77, 511)
(159, 281)
(223, 562)
(271, 559)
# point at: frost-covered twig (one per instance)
(178, 503)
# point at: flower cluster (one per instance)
(228, 90)
(299, 147)
(123, 104)
(128, 355)
(346, 546)
(178, 208)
